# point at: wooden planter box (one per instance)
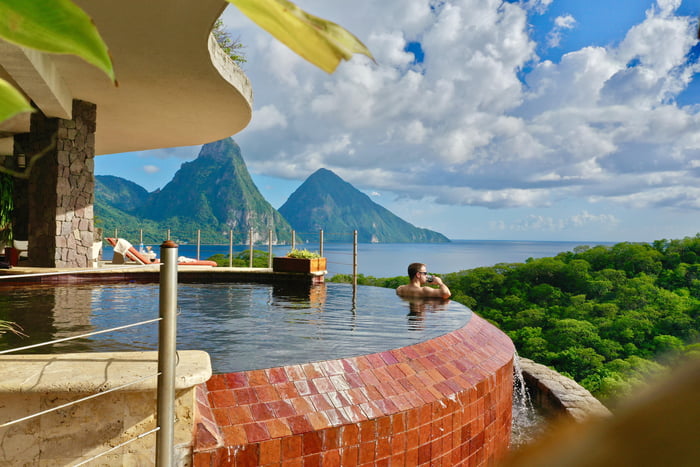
(287, 264)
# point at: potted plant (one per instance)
(299, 261)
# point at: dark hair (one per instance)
(413, 269)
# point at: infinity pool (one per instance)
(243, 326)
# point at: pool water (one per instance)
(243, 326)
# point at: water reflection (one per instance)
(418, 308)
(242, 326)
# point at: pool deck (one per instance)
(108, 272)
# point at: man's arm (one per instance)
(443, 291)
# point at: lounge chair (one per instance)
(122, 249)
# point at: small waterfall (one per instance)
(527, 422)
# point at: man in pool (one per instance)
(419, 277)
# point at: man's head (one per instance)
(414, 269)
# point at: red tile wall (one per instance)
(446, 401)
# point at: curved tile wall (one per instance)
(446, 401)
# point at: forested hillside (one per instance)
(607, 316)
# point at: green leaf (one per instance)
(315, 39)
(12, 102)
(54, 26)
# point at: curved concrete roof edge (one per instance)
(176, 86)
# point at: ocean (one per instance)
(392, 259)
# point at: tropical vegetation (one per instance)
(607, 316)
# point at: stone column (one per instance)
(61, 188)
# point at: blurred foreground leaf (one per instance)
(12, 102)
(54, 26)
(317, 40)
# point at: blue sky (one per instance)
(482, 119)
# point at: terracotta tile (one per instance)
(216, 383)
(299, 424)
(411, 457)
(311, 443)
(270, 452)
(388, 358)
(234, 435)
(336, 417)
(350, 456)
(412, 438)
(265, 393)
(312, 370)
(281, 409)
(313, 460)
(395, 372)
(371, 410)
(339, 382)
(356, 396)
(221, 416)
(386, 390)
(255, 432)
(367, 430)
(276, 375)
(206, 437)
(291, 447)
(246, 457)
(362, 363)
(261, 412)
(368, 452)
(236, 380)
(353, 413)
(201, 459)
(277, 428)
(245, 396)
(321, 402)
(369, 378)
(330, 458)
(354, 380)
(301, 405)
(318, 420)
(222, 399)
(323, 385)
(295, 372)
(349, 365)
(383, 448)
(338, 400)
(239, 414)
(383, 427)
(350, 435)
(375, 360)
(332, 367)
(286, 390)
(257, 377)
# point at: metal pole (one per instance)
(250, 239)
(230, 248)
(354, 258)
(320, 242)
(141, 236)
(294, 238)
(199, 239)
(167, 236)
(116, 233)
(167, 334)
(269, 248)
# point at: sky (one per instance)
(481, 119)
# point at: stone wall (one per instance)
(77, 433)
(556, 394)
(61, 188)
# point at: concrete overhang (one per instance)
(176, 86)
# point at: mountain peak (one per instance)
(326, 201)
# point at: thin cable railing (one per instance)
(167, 331)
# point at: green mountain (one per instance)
(213, 193)
(325, 201)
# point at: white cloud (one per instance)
(560, 23)
(151, 169)
(481, 121)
